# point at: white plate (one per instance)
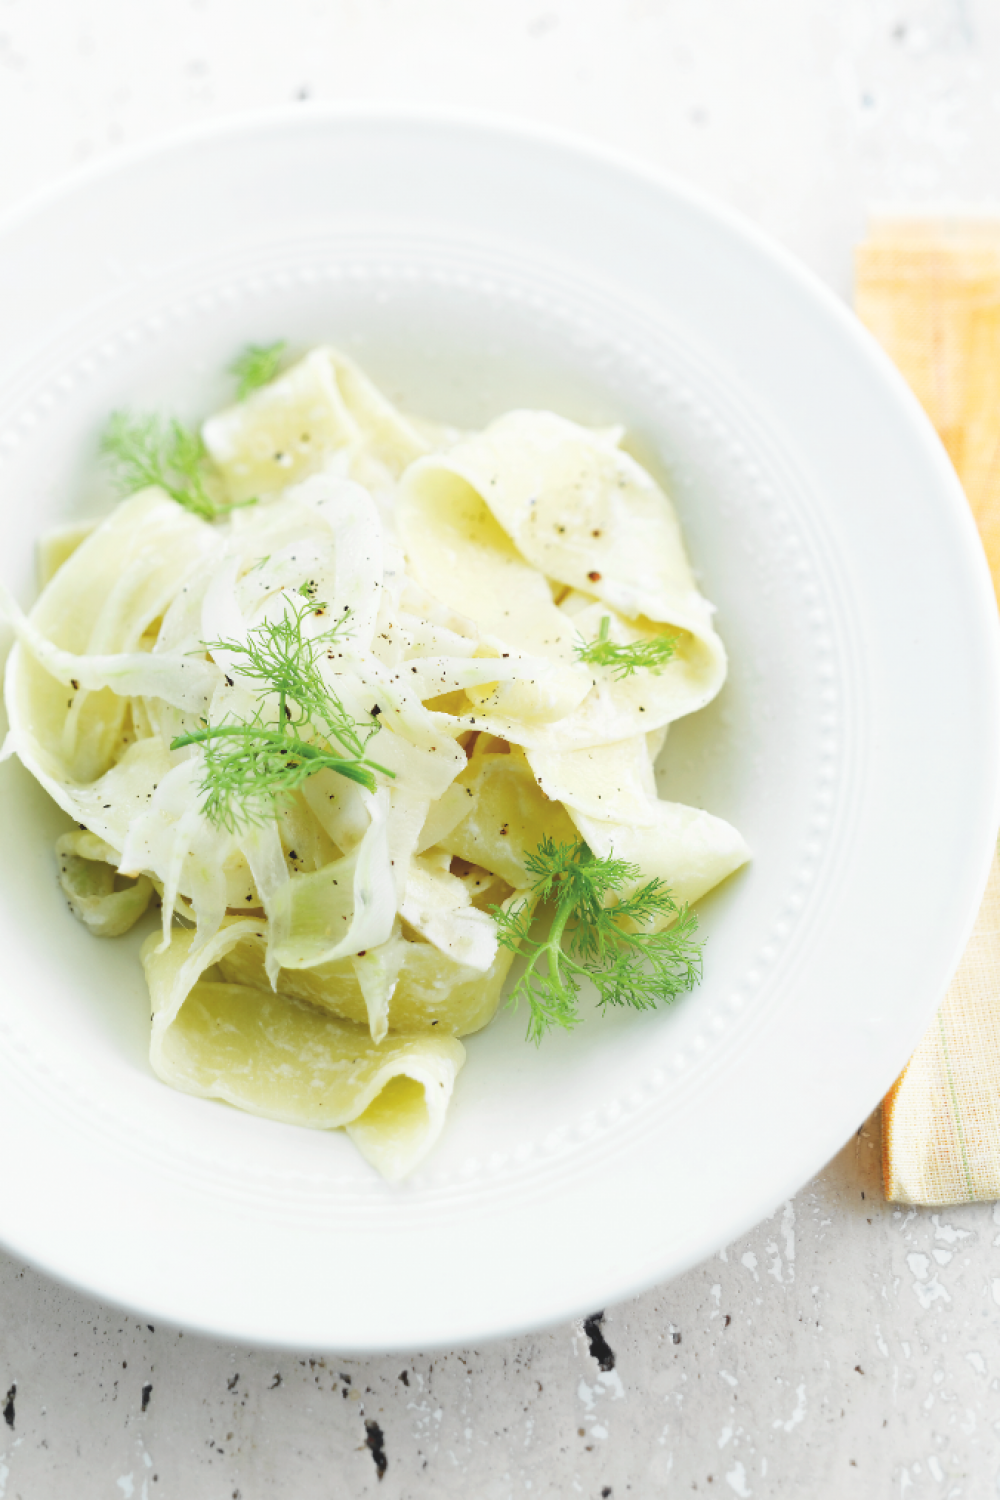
(471, 267)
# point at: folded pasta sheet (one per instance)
(362, 701)
(275, 1055)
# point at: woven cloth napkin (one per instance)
(930, 292)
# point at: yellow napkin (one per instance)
(930, 292)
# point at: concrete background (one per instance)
(844, 1348)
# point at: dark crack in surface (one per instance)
(376, 1442)
(599, 1346)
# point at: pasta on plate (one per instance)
(359, 699)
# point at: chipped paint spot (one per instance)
(928, 1291)
(798, 1415)
(788, 1230)
(737, 1480)
(947, 1232)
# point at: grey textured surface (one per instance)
(844, 1347)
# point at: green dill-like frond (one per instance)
(596, 934)
(636, 967)
(549, 988)
(649, 655)
(514, 923)
(246, 775)
(284, 660)
(256, 365)
(251, 763)
(147, 449)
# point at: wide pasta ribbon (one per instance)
(279, 1057)
(497, 524)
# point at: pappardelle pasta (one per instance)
(371, 706)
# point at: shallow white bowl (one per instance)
(471, 267)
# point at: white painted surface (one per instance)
(860, 1356)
